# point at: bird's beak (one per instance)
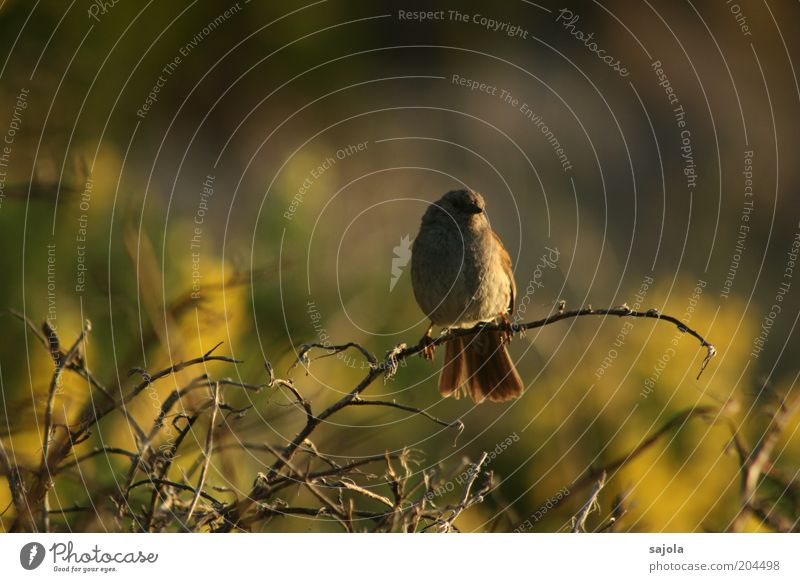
(474, 209)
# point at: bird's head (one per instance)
(459, 206)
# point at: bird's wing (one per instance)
(505, 262)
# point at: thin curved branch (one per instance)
(457, 424)
(96, 416)
(181, 486)
(201, 480)
(514, 328)
(302, 355)
(94, 453)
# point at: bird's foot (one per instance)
(506, 328)
(428, 345)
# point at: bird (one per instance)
(462, 278)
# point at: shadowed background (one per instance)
(182, 174)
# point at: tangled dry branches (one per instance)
(154, 495)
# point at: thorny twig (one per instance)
(756, 463)
(466, 498)
(579, 520)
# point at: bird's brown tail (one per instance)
(479, 364)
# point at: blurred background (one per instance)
(182, 174)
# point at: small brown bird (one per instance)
(462, 276)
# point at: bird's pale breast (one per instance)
(459, 280)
